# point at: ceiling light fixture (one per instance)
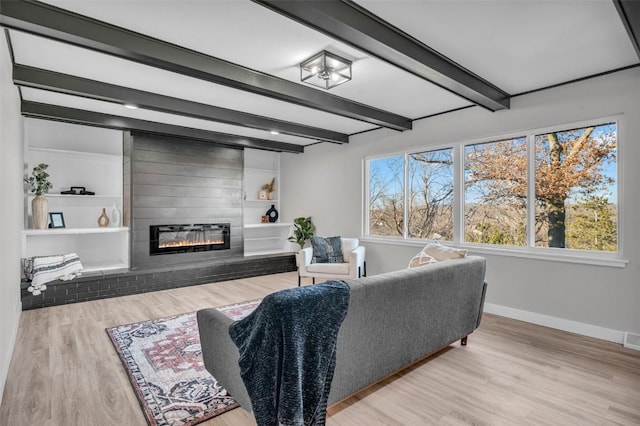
(131, 106)
(274, 132)
(325, 70)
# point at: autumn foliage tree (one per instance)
(572, 175)
(569, 166)
(569, 162)
(496, 192)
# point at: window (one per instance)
(430, 196)
(550, 189)
(495, 192)
(386, 196)
(576, 202)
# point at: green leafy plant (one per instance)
(39, 180)
(303, 230)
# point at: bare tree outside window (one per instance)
(430, 203)
(386, 196)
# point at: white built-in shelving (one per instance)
(260, 167)
(79, 156)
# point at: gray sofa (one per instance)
(393, 320)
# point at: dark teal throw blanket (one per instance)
(288, 351)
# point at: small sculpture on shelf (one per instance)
(266, 191)
(78, 190)
(103, 219)
(116, 216)
(272, 213)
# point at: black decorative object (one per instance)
(78, 190)
(272, 213)
(56, 220)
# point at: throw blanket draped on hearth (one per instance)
(287, 352)
(43, 269)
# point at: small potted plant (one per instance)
(303, 230)
(39, 184)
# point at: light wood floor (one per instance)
(65, 372)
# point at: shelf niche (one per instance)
(77, 156)
(260, 167)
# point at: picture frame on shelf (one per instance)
(56, 220)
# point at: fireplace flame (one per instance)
(187, 243)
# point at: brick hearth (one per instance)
(102, 286)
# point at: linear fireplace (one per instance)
(168, 239)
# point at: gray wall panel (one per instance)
(179, 181)
(186, 191)
(191, 181)
(187, 148)
(186, 201)
(206, 170)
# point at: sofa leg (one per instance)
(463, 341)
(365, 269)
(313, 280)
(298, 280)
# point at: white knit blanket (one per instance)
(43, 269)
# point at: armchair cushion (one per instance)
(327, 250)
(329, 268)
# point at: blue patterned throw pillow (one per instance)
(326, 250)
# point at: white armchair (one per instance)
(354, 266)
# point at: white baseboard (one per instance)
(4, 369)
(581, 328)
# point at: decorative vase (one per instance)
(40, 212)
(272, 213)
(103, 219)
(116, 216)
(270, 196)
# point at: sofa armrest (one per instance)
(220, 354)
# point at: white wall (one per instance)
(326, 183)
(11, 188)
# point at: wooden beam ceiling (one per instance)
(350, 23)
(78, 86)
(59, 24)
(78, 116)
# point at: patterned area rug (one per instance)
(164, 363)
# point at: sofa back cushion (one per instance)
(399, 317)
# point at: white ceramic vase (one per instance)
(40, 212)
(116, 217)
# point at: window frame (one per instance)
(613, 259)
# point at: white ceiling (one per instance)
(517, 46)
